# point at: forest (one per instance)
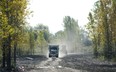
(18, 38)
(102, 29)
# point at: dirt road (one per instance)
(51, 65)
(48, 65)
(69, 63)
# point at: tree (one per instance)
(13, 13)
(58, 38)
(72, 30)
(103, 24)
(31, 41)
(43, 36)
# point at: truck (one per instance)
(54, 51)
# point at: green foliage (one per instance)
(42, 37)
(102, 28)
(12, 21)
(72, 33)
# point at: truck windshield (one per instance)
(53, 50)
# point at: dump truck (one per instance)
(54, 51)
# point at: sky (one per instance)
(52, 12)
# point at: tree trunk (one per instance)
(3, 56)
(95, 48)
(15, 45)
(9, 53)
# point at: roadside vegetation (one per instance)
(102, 29)
(17, 38)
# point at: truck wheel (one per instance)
(57, 56)
(49, 55)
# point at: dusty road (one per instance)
(69, 63)
(51, 65)
(44, 65)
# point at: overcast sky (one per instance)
(52, 12)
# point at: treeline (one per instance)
(73, 36)
(34, 40)
(102, 28)
(17, 38)
(12, 23)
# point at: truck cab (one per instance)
(54, 51)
